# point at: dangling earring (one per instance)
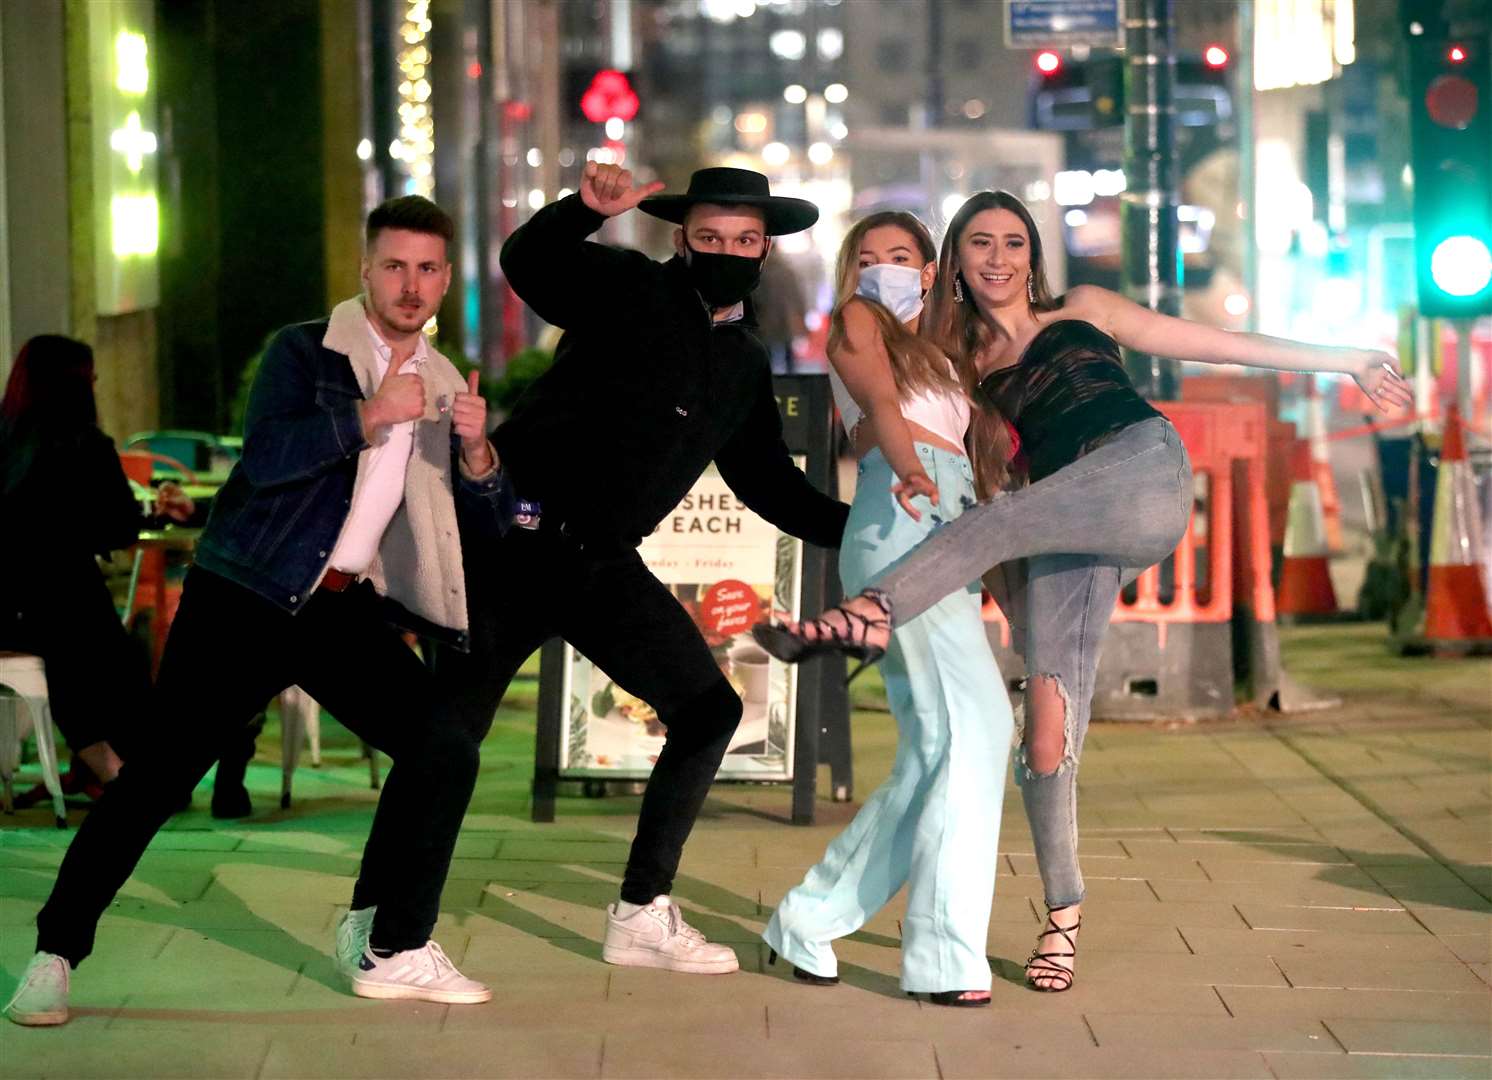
(1031, 287)
(958, 289)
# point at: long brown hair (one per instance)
(917, 363)
(960, 330)
(50, 391)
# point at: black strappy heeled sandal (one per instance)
(804, 976)
(851, 639)
(1054, 978)
(956, 998)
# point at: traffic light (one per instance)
(1082, 95)
(1450, 100)
(598, 95)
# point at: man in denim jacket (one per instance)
(362, 446)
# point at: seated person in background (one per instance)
(64, 499)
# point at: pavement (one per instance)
(1291, 897)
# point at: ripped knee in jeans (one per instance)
(1046, 747)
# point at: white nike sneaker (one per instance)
(656, 936)
(423, 974)
(41, 999)
(352, 939)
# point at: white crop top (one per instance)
(945, 413)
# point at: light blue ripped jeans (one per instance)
(935, 823)
(1065, 546)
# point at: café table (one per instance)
(156, 545)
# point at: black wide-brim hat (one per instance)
(734, 187)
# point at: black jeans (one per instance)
(228, 653)
(98, 678)
(533, 586)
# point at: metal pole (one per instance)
(1463, 369)
(1243, 72)
(934, 65)
(1424, 377)
(1151, 273)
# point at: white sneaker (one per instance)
(41, 999)
(352, 939)
(423, 974)
(656, 936)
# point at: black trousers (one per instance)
(98, 678)
(228, 653)
(533, 586)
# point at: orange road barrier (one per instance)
(1185, 630)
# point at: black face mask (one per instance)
(723, 280)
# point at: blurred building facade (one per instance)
(247, 141)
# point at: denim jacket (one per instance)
(275, 522)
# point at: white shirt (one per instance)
(376, 499)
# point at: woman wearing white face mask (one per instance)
(934, 824)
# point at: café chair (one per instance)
(25, 677)
(300, 721)
(199, 451)
(140, 466)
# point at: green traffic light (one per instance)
(1461, 265)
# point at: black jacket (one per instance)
(645, 391)
(73, 503)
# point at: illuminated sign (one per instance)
(126, 205)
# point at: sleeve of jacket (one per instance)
(290, 435)
(484, 505)
(757, 466)
(567, 280)
(113, 518)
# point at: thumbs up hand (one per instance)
(469, 421)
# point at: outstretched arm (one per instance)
(756, 466)
(862, 362)
(1147, 331)
(564, 278)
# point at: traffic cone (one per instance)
(1305, 590)
(1456, 619)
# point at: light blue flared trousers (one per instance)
(934, 825)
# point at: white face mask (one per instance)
(898, 288)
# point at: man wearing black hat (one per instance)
(657, 375)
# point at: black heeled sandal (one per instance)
(852, 639)
(1054, 978)
(804, 976)
(956, 998)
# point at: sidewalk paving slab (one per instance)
(1268, 897)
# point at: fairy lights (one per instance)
(415, 147)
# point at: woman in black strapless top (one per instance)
(1109, 494)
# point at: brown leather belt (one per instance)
(337, 580)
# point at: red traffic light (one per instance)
(1452, 101)
(1215, 56)
(1048, 62)
(609, 95)
(1456, 54)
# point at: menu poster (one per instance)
(729, 569)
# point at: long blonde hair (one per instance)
(963, 334)
(917, 363)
